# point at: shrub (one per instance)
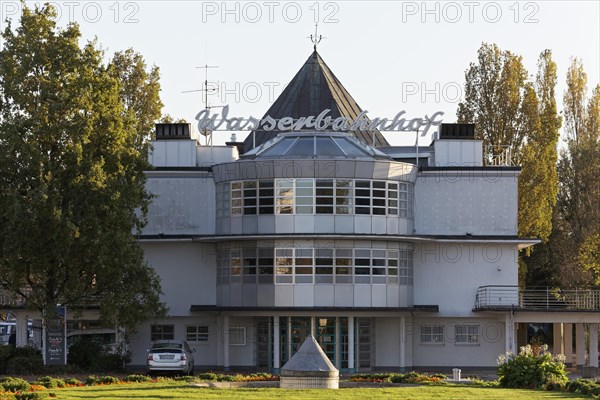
(5, 354)
(31, 396)
(107, 380)
(531, 369)
(24, 366)
(137, 378)
(27, 352)
(89, 355)
(91, 380)
(73, 381)
(20, 360)
(554, 385)
(371, 378)
(14, 384)
(50, 383)
(584, 386)
(225, 378)
(7, 396)
(207, 376)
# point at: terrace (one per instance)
(502, 298)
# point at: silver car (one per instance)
(170, 355)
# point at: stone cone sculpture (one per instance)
(309, 368)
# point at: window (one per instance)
(237, 336)
(268, 265)
(196, 333)
(162, 332)
(265, 265)
(466, 334)
(236, 198)
(432, 334)
(362, 197)
(343, 197)
(405, 265)
(318, 196)
(324, 196)
(304, 196)
(324, 265)
(304, 266)
(265, 197)
(406, 193)
(284, 192)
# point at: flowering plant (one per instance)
(532, 368)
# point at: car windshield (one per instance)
(166, 346)
(164, 350)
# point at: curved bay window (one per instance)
(327, 265)
(321, 197)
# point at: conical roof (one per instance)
(309, 358)
(314, 89)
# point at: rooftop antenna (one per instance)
(206, 89)
(316, 39)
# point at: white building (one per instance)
(393, 257)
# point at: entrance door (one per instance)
(363, 343)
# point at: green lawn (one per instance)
(180, 390)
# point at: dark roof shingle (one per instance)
(314, 89)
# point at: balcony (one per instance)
(498, 156)
(502, 298)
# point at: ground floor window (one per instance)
(432, 334)
(162, 332)
(237, 336)
(197, 333)
(466, 334)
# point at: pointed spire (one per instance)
(313, 89)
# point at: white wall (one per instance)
(187, 271)
(184, 203)
(460, 202)
(210, 155)
(243, 355)
(387, 342)
(448, 274)
(206, 352)
(173, 153)
(456, 152)
(451, 354)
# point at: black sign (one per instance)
(56, 336)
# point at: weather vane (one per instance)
(316, 39)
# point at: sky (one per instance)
(390, 55)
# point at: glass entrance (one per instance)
(330, 332)
(325, 335)
(363, 343)
(264, 347)
(300, 329)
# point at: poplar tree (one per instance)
(513, 113)
(579, 174)
(72, 161)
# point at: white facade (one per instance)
(381, 260)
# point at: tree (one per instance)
(140, 89)
(510, 112)
(579, 175)
(494, 89)
(72, 183)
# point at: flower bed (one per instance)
(410, 377)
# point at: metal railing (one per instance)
(499, 155)
(552, 299)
